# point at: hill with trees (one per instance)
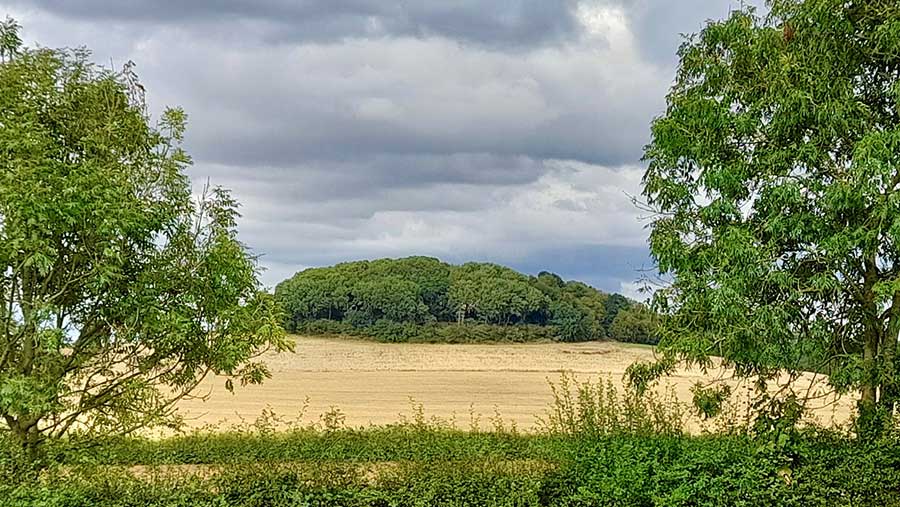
(425, 299)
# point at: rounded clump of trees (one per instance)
(395, 296)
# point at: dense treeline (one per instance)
(415, 297)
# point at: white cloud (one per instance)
(637, 291)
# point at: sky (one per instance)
(508, 131)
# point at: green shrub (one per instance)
(598, 447)
(326, 327)
(393, 332)
(483, 333)
(401, 466)
(715, 471)
(608, 455)
(573, 321)
(358, 319)
(588, 409)
(635, 324)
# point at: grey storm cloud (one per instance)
(276, 106)
(510, 23)
(326, 179)
(499, 130)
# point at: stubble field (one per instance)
(380, 383)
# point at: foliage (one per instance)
(597, 447)
(710, 401)
(612, 306)
(10, 41)
(495, 294)
(390, 298)
(399, 442)
(718, 470)
(425, 465)
(592, 409)
(775, 174)
(435, 332)
(119, 292)
(572, 320)
(635, 324)
(425, 291)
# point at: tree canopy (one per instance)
(775, 173)
(422, 290)
(119, 291)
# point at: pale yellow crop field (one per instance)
(374, 383)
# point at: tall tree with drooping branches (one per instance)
(775, 173)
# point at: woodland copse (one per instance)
(425, 299)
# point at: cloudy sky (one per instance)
(498, 130)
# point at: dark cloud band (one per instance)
(494, 23)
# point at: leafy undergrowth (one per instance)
(597, 448)
(366, 468)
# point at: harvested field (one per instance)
(374, 383)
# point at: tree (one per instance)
(315, 293)
(120, 293)
(635, 324)
(573, 321)
(363, 292)
(391, 298)
(10, 42)
(775, 172)
(494, 294)
(463, 297)
(549, 283)
(431, 276)
(612, 306)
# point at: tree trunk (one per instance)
(25, 433)
(867, 424)
(871, 416)
(890, 391)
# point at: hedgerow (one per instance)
(614, 470)
(435, 332)
(597, 447)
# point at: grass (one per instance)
(597, 446)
